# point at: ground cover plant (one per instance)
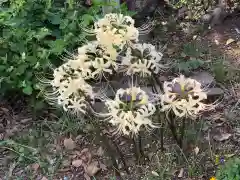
(165, 107)
(34, 34)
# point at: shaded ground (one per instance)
(60, 147)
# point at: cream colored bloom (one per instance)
(101, 58)
(70, 89)
(142, 59)
(184, 97)
(115, 30)
(130, 110)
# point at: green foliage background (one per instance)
(231, 170)
(36, 33)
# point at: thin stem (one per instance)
(136, 149)
(172, 127)
(110, 150)
(121, 157)
(140, 145)
(120, 154)
(111, 153)
(159, 115)
(156, 80)
(161, 137)
(182, 133)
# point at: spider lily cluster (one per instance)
(116, 51)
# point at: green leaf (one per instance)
(28, 90)
(43, 32)
(87, 19)
(2, 68)
(55, 19)
(21, 69)
(57, 46)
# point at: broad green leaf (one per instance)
(28, 90)
(57, 46)
(43, 32)
(87, 19)
(55, 19)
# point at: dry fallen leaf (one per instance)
(154, 173)
(195, 37)
(216, 42)
(229, 41)
(196, 150)
(100, 151)
(84, 150)
(86, 176)
(44, 178)
(180, 175)
(222, 137)
(35, 166)
(92, 168)
(69, 144)
(102, 166)
(77, 163)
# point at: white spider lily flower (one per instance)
(130, 111)
(116, 30)
(81, 65)
(184, 97)
(142, 59)
(102, 59)
(70, 89)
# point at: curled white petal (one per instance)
(130, 111)
(116, 30)
(142, 59)
(184, 97)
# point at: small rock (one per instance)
(92, 168)
(66, 163)
(206, 18)
(69, 144)
(77, 163)
(100, 151)
(222, 137)
(204, 78)
(215, 92)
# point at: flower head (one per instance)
(130, 110)
(70, 88)
(115, 30)
(212, 178)
(101, 59)
(142, 59)
(184, 96)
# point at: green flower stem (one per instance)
(121, 157)
(110, 151)
(182, 133)
(154, 82)
(173, 129)
(106, 143)
(136, 149)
